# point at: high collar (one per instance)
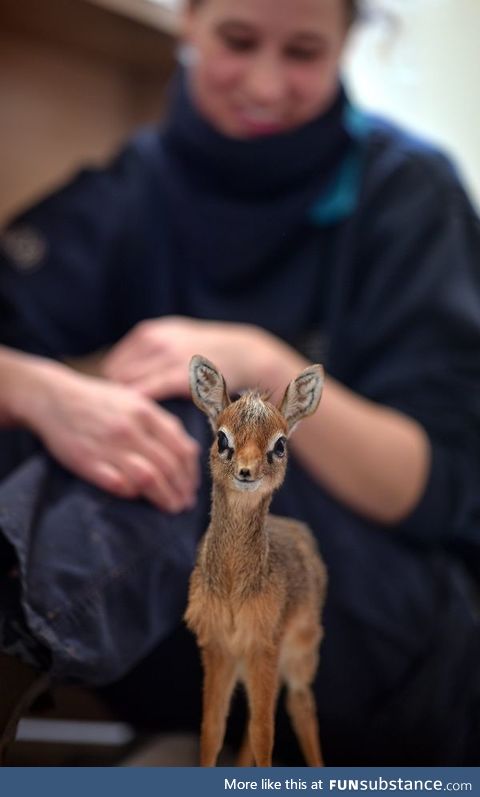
(257, 167)
(239, 215)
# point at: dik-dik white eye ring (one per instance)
(224, 444)
(222, 440)
(280, 447)
(278, 450)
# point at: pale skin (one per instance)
(374, 459)
(107, 434)
(261, 67)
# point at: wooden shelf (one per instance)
(148, 12)
(77, 77)
(133, 33)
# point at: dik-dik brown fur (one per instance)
(258, 587)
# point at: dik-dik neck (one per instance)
(236, 546)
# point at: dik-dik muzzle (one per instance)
(251, 446)
(250, 450)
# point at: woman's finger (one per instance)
(165, 384)
(167, 431)
(142, 341)
(171, 467)
(108, 477)
(140, 365)
(152, 484)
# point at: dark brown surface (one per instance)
(20, 685)
(101, 32)
(76, 80)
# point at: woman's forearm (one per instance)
(102, 432)
(372, 458)
(20, 377)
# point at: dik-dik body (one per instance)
(258, 587)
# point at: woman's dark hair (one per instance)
(353, 8)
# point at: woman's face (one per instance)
(262, 67)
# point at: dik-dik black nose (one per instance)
(245, 473)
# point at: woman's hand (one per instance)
(154, 357)
(107, 434)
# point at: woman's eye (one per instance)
(299, 54)
(280, 447)
(314, 50)
(238, 45)
(222, 440)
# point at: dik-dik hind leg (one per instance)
(299, 668)
(262, 686)
(303, 714)
(245, 755)
(218, 683)
(305, 729)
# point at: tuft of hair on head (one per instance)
(257, 393)
(208, 388)
(352, 9)
(302, 395)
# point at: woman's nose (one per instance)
(266, 83)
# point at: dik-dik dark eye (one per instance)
(280, 447)
(223, 444)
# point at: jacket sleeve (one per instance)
(60, 264)
(414, 331)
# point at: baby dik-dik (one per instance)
(258, 587)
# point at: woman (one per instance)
(307, 232)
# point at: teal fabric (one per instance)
(341, 198)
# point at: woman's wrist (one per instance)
(274, 361)
(372, 458)
(26, 381)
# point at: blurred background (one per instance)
(415, 61)
(77, 76)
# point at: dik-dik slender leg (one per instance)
(303, 714)
(245, 756)
(262, 687)
(219, 680)
(304, 720)
(299, 671)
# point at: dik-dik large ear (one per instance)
(302, 395)
(208, 387)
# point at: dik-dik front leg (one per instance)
(219, 681)
(261, 670)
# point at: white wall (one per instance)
(424, 71)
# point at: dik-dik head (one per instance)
(250, 450)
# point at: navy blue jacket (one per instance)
(391, 304)
(380, 280)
